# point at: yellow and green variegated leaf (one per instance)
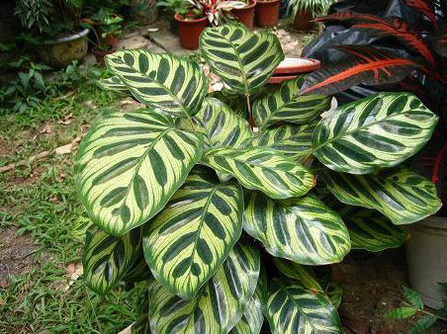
(161, 81)
(139, 271)
(219, 305)
(263, 169)
(284, 105)
(188, 241)
(115, 84)
(294, 141)
(303, 230)
(291, 309)
(221, 125)
(244, 60)
(335, 294)
(376, 132)
(401, 195)
(130, 164)
(106, 258)
(370, 230)
(253, 318)
(305, 275)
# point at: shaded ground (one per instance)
(372, 287)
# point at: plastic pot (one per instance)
(190, 30)
(303, 20)
(246, 15)
(267, 13)
(426, 251)
(60, 52)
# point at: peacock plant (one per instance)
(228, 221)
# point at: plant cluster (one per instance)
(53, 18)
(30, 87)
(313, 7)
(216, 11)
(414, 62)
(414, 305)
(227, 221)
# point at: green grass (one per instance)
(39, 200)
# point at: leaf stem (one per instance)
(250, 116)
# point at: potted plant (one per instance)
(107, 25)
(246, 14)
(227, 219)
(267, 12)
(304, 11)
(420, 72)
(191, 25)
(57, 27)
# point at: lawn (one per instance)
(41, 223)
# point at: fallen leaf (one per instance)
(74, 271)
(67, 119)
(48, 129)
(66, 149)
(4, 283)
(126, 330)
(7, 168)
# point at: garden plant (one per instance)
(227, 214)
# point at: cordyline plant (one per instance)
(224, 221)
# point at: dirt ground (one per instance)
(16, 253)
(372, 286)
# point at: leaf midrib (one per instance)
(174, 97)
(363, 127)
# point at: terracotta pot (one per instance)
(267, 13)
(302, 21)
(246, 15)
(290, 68)
(190, 30)
(100, 54)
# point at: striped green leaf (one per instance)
(370, 230)
(113, 83)
(372, 133)
(139, 271)
(303, 230)
(253, 318)
(414, 298)
(220, 125)
(130, 164)
(219, 305)
(188, 241)
(244, 60)
(402, 312)
(400, 194)
(262, 169)
(306, 276)
(294, 141)
(335, 294)
(161, 81)
(106, 258)
(284, 105)
(423, 324)
(291, 309)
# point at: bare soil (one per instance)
(373, 286)
(16, 253)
